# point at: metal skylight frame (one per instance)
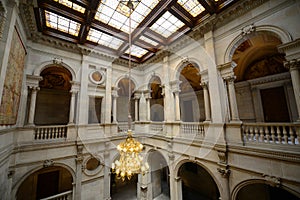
(192, 6)
(167, 24)
(104, 39)
(146, 39)
(115, 13)
(72, 5)
(137, 51)
(61, 23)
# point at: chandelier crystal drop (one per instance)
(130, 162)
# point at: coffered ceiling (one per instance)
(105, 23)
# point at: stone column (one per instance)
(177, 106)
(294, 67)
(178, 188)
(148, 97)
(206, 101)
(72, 106)
(78, 160)
(142, 110)
(137, 96)
(107, 173)
(32, 104)
(114, 107)
(232, 98)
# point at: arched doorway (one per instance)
(44, 183)
(263, 85)
(159, 175)
(157, 100)
(122, 101)
(191, 95)
(263, 191)
(197, 183)
(53, 99)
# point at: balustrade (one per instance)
(50, 132)
(123, 126)
(156, 127)
(192, 128)
(62, 196)
(274, 133)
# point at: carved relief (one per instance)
(48, 163)
(272, 180)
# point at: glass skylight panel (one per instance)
(72, 5)
(61, 23)
(167, 24)
(137, 51)
(192, 6)
(104, 39)
(115, 13)
(149, 40)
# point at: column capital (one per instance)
(230, 79)
(204, 84)
(292, 64)
(32, 87)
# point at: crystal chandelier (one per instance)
(130, 162)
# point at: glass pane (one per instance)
(192, 6)
(104, 39)
(61, 23)
(118, 11)
(71, 5)
(167, 24)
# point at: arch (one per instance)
(183, 161)
(36, 169)
(197, 182)
(248, 182)
(126, 76)
(284, 36)
(160, 152)
(37, 71)
(184, 63)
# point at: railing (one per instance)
(274, 133)
(50, 132)
(62, 196)
(156, 127)
(192, 128)
(123, 126)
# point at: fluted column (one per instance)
(206, 101)
(232, 98)
(294, 67)
(34, 90)
(177, 106)
(72, 106)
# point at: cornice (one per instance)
(287, 46)
(272, 78)
(270, 153)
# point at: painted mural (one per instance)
(13, 82)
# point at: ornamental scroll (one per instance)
(13, 82)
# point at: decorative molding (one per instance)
(271, 78)
(222, 157)
(248, 30)
(224, 172)
(272, 180)
(48, 163)
(292, 64)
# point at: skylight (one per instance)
(192, 6)
(148, 40)
(72, 5)
(137, 51)
(104, 39)
(61, 23)
(167, 24)
(115, 13)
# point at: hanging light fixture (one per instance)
(130, 162)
